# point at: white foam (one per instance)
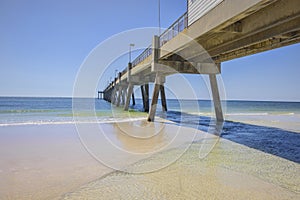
(247, 114)
(110, 120)
(287, 114)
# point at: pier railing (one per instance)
(145, 54)
(178, 26)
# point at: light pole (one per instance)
(116, 72)
(130, 45)
(159, 25)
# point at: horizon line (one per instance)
(187, 99)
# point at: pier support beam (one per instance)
(158, 83)
(216, 97)
(133, 98)
(129, 94)
(119, 96)
(159, 78)
(113, 96)
(145, 96)
(124, 91)
(163, 98)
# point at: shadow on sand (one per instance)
(275, 141)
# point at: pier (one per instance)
(226, 29)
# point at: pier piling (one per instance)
(129, 94)
(216, 97)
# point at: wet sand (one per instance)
(49, 162)
(43, 162)
(230, 171)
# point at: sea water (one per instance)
(38, 110)
(272, 127)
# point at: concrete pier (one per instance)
(226, 31)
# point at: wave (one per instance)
(102, 121)
(243, 114)
(260, 114)
(247, 114)
(27, 111)
(227, 114)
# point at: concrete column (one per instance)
(119, 94)
(146, 88)
(112, 97)
(163, 98)
(152, 111)
(216, 97)
(129, 93)
(124, 92)
(108, 95)
(143, 96)
(133, 98)
(158, 78)
(119, 89)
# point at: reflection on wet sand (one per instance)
(120, 144)
(141, 136)
(230, 171)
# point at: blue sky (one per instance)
(43, 44)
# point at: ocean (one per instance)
(271, 127)
(41, 110)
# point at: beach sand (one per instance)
(43, 162)
(50, 162)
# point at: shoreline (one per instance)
(46, 161)
(52, 159)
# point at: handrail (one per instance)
(145, 54)
(178, 26)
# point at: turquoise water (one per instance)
(272, 127)
(16, 110)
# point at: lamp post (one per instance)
(130, 45)
(116, 72)
(159, 25)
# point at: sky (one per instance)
(44, 43)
